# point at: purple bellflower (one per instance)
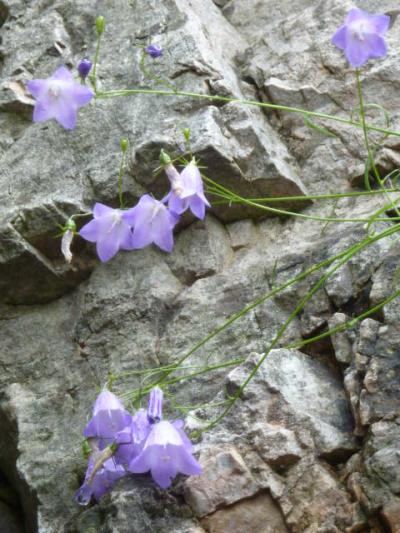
(361, 36)
(97, 483)
(109, 417)
(59, 97)
(84, 67)
(110, 230)
(111, 424)
(151, 222)
(186, 190)
(167, 450)
(154, 50)
(165, 454)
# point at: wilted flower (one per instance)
(166, 453)
(109, 229)
(154, 50)
(154, 409)
(151, 222)
(68, 234)
(186, 190)
(361, 36)
(84, 67)
(59, 97)
(98, 483)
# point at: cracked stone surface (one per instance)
(312, 444)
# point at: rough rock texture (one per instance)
(312, 444)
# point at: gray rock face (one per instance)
(312, 443)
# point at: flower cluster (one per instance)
(122, 443)
(150, 221)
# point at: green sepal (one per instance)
(165, 158)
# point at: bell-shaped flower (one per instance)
(98, 482)
(110, 230)
(59, 97)
(166, 453)
(152, 222)
(109, 417)
(187, 191)
(361, 36)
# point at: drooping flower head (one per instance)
(151, 222)
(111, 424)
(166, 453)
(361, 36)
(109, 229)
(59, 97)
(109, 417)
(97, 483)
(154, 50)
(187, 191)
(84, 67)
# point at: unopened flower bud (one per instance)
(84, 67)
(124, 145)
(154, 409)
(154, 50)
(100, 25)
(186, 134)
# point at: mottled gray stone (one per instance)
(146, 308)
(225, 480)
(343, 340)
(200, 251)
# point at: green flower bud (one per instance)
(186, 134)
(124, 145)
(100, 25)
(164, 158)
(70, 225)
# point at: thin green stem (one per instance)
(292, 316)
(269, 295)
(245, 201)
(120, 174)
(371, 160)
(308, 197)
(147, 73)
(227, 99)
(346, 325)
(93, 75)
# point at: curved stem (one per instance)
(218, 98)
(293, 315)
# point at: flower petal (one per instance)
(63, 73)
(100, 210)
(65, 113)
(91, 231)
(36, 87)
(142, 236)
(197, 207)
(41, 112)
(107, 247)
(381, 23)
(340, 37)
(80, 94)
